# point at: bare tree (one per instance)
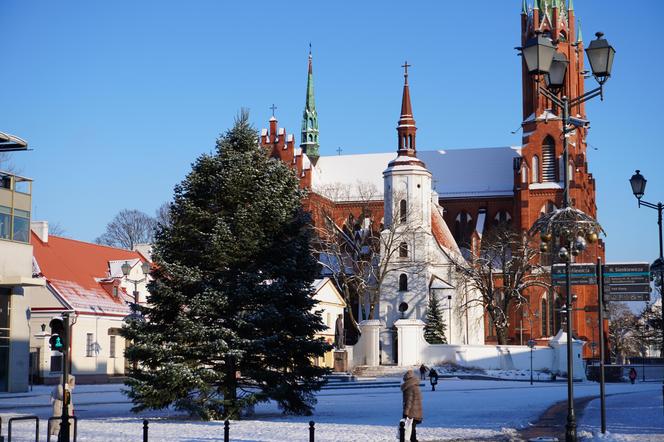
(128, 228)
(360, 253)
(623, 334)
(163, 214)
(56, 229)
(500, 271)
(650, 320)
(6, 163)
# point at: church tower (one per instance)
(309, 140)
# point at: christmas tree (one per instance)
(434, 330)
(231, 317)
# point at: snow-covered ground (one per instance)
(458, 409)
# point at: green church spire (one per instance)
(524, 7)
(570, 5)
(309, 140)
(579, 35)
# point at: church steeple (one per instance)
(309, 140)
(406, 128)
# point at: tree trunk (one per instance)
(501, 334)
(231, 410)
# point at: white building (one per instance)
(86, 280)
(331, 305)
(15, 278)
(416, 247)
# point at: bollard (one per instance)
(145, 430)
(402, 431)
(22, 418)
(311, 431)
(227, 430)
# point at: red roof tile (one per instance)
(73, 268)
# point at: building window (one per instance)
(403, 282)
(56, 363)
(558, 315)
(524, 175)
(549, 160)
(89, 345)
(115, 291)
(403, 250)
(463, 228)
(502, 217)
(403, 207)
(535, 172)
(543, 311)
(410, 141)
(111, 346)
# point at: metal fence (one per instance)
(620, 373)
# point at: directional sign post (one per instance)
(581, 274)
(626, 282)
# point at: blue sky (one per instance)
(118, 98)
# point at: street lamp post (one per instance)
(126, 269)
(638, 183)
(569, 224)
(531, 344)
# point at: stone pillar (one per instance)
(559, 345)
(41, 342)
(370, 342)
(410, 341)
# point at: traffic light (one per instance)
(58, 339)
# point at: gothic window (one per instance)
(535, 168)
(524, 174)
(311, 137)
(311, 122)
(548, 207)
(403, 250)
(558, 322)
(549, 160)
(543, 318)
(463, 228)
(403, 282)
(403, 206)
(570, 171)
(502, 217)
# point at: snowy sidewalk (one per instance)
(457, 410)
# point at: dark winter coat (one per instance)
(412, 397)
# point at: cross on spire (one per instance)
(273, 107)
(405, 66)
(339, 149)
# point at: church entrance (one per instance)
(388, 346)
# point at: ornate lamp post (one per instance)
(573, 228)
(638, 183)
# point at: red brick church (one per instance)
(477, 187)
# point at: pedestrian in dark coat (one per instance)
(632, 375)
(423, 372)
(412, 401)
(433, 378)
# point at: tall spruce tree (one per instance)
(230, 320)
(434, 330)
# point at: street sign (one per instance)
(626, 282)
(580, 274)
(627, 297)
(638, 273)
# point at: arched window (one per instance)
(547, 207)
(403, 250)
(311, 122)
(549, 160)
(410, 141)
(463, 228)
(403, 282)
(558, 315)
(535, 169)
(543, 318)
(403, 143)
(524, 175)
(311, 137)
(502, 217)
(570, 171)
(403, 207)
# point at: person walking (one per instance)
(433, 378)
(412, 403)
(57, 399)
(423, 372)
(632, 375)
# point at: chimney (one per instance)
(41, 230)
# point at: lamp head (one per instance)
(638, 183)
(126, 268)
(600, 55)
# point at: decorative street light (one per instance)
(638, 183)
(531, 344)
(573, 228)
(126, 269)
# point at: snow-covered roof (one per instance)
(457, 173)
